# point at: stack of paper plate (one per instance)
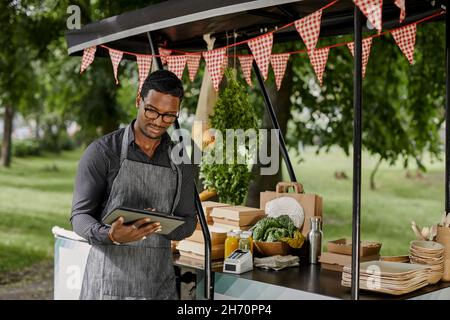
(428, 253)
(389, 277)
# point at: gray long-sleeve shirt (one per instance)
(97, 169)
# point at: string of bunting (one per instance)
(260, 47)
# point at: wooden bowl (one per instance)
(271, 248)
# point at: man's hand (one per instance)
(134, 232)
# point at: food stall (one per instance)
(179, 26)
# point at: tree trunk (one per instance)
(37, 134)
(372, 175)
(7, 132)
(281, 103)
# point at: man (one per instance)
(132, 167)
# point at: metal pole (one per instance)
(209, 283)
(357, 104)
(275, 123)
(447, 115)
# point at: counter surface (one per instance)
(315, 280)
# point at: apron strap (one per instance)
(124, 150)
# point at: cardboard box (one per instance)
(174, 246)
(229, 227)
(237, 215)
(196, 250)
(336, 262)
(344, 246)
(218, 236)
(208, 207)
(332, 267)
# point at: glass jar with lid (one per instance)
(244, 242)
(231, 243)
(250, 239)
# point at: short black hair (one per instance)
(163, 81)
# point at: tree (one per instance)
(402, 104)
(20, 22)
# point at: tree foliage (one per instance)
(402, 104)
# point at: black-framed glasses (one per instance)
(152, 114)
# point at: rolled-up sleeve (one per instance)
(186, 205)
(89, 190)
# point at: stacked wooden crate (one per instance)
(194, 246)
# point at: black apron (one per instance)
(141, 269)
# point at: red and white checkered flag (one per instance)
(246, 66)
(163, 54)
(318, 60)
(144, 65)
(116, 57)
(372, 9)
(176, 64)
(406, 40)
(224, 63)
(401, 5)
(366, 44)
(261, 48)
(279, 62)
(309, 29)
(88, 57)
(214, 63)
(193, 62)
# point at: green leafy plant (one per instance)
(232, 111)
(279, 229)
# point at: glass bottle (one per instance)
(244, 242)
(231, 243)
(315, 240)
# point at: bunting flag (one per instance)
(372, 9)
(193, 62)
(366, 44)
(88, 57)
(116, 57)
(144, 64)
(261, 48)
(279, 62)
(309, 29)
(246, 66)
(214, 62)
(224, 63)
(163, 54)
(406, 40)
(401, 5)
(176, 64)
(318, 60)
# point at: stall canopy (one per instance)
(180, 24)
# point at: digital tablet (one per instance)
(168, 223)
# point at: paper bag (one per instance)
(311, 203)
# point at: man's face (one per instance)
(154, 102)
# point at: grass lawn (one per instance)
(36, 194)
(387, 212)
